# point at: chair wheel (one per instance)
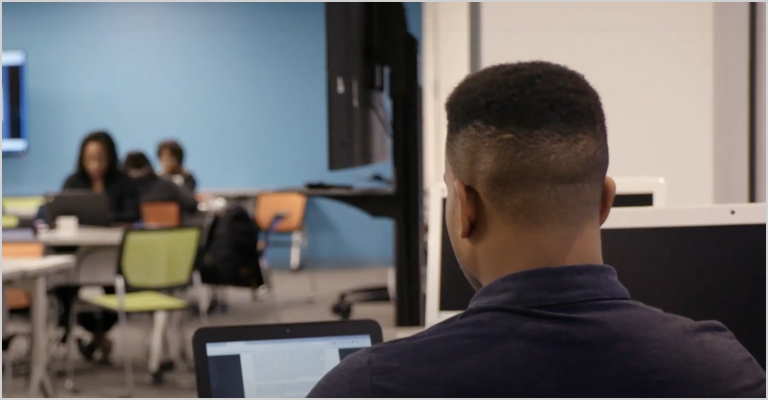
(167, 366)
(70, 386)
(342, 309)
(156, 378)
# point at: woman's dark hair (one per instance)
(172, 147)
(136, 160)
(105, 140)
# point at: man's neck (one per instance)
(541, 249)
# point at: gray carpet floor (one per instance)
(291, 305)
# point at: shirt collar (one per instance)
(551, 286)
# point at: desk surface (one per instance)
(84, 236)
(355, 191)
(25, 268)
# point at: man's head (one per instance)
(526, 162)
(171, 156)
(137, 165)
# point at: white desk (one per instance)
(234, 193)
(84, 236)
(89, 241)
(36, 270)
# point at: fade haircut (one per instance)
(530, 138)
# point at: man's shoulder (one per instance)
(368, 371)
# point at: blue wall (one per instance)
(241, 85)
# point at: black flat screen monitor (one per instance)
(704, 272)
(358, 120)
(15, 141)
(700, 272)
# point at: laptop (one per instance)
(91, 209)
(284, 360)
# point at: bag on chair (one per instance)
(230, 255)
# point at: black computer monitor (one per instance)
(15, 141)
(703, 263)
(359, 125)
(91, 209)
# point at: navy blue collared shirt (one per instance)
(554, 332)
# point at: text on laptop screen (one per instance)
(276, 368)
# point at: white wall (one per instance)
(446, 49)
(653, 64)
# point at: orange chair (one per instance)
(293, 206)
(19, 299)
(161, 214)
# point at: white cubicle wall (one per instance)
(659, 68)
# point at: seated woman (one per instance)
(153, 188)
(171, 157)
(97, 170)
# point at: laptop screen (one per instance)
(276, 368)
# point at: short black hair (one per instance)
(172, 147)
(105, 139)
(136, 160)
(530, 137)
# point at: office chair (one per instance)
(153, 264)
(292, 206)
(164, 214)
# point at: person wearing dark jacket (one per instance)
(525, 171)
(171, 156)
(97, 170)
(152, 188)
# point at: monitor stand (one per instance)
(404, 204)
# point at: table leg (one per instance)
(5, 312)
(39, 379)
(8, 365)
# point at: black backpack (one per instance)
(229, 254)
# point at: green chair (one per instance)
(153, 264)
(22, 206)
(10, 221)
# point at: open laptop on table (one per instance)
(284, 360)
(91, 209)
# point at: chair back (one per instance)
(164, 214)
(10, 221)
(22, 250)
(159, 259)
(290, 204)
(22, 205)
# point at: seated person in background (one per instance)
(97, 170)
(153, 188)
(526, 161)
(171, 157)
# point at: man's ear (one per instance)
(466, 199)
(609, 193)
